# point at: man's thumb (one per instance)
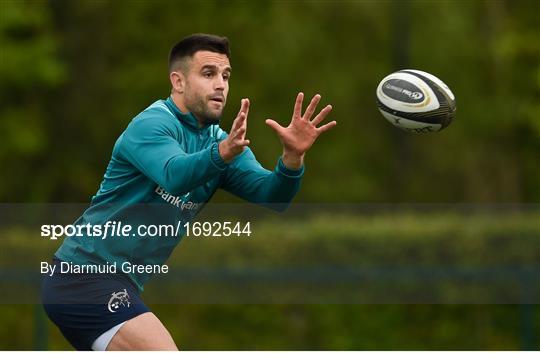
(273, 124)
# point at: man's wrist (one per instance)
(224, 152)
(293, 161)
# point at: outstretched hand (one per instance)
(235, 143)
(299, 136)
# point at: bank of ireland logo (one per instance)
(118, 299)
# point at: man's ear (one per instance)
(178, 81)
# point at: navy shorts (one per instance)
(84, 306)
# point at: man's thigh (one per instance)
(143, 332)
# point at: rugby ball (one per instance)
(416, 101)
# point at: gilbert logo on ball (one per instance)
(416, 101)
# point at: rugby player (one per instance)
(174, 147)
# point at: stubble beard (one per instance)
(198, 105)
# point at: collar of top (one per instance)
(188, 118)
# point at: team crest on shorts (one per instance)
(118, 299)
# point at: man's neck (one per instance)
(179, 102)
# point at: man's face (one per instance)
(207, 85)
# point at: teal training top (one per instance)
(163, 169)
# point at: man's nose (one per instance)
(219, 83)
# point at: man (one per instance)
(175, 148)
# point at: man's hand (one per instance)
(299, 136)
(235, 143)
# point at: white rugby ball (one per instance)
(416, 101)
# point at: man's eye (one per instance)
(207, 74)
(226, 77)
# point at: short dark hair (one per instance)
(188, 46)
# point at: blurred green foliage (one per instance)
(74, 73)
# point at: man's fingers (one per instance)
(240, 133)
(245, 106)
(274, 125)
(322, 114)
(326, 127)
(242, 114)
(238, 122)
(241, 128)
(311, 107)
(239, 144)
(235, 122)
(297, 112)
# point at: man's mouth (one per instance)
(218, 99)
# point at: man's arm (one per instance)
(149, 144)
(248, 179)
